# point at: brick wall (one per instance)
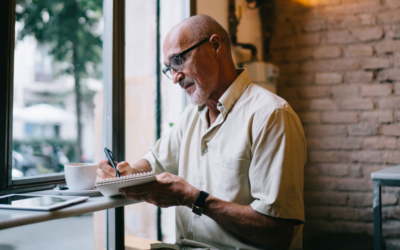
(340, 71)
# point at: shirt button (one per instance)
(201, 182)
(205, 150)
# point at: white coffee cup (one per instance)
(80, 176)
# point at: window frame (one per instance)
(114, 74)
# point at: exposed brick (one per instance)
(397, 88)
(368, 156)
(339, 117)
(327, 52)
(300, 79)
(307, 39)
(313, 92)
(376, 90)
(389, 103)
(368, 34)
(338, 170)
(396, 59)
(342, 21)
(287, 93)
(364, 214)
(357, 104)
(367, 19)
(366, 199)
(353, 8)
(344, 213)
(359, 50)
(331, 65)
(344, 91)
(375, 63)
(377, 116)
(392, 244)
(325, 198)
(324, 156)
(362, 129)
(392, 157)
(280, 42)
(298, 54)
(388, 75)
(325, 130)
(313, 143)
(314, 25)
(340, 37)
(393, 3)
(323, 104)
(309, 117)
(355, 171)
(391, 16)
(368, 169)
(393, 129)
(378, 142)
(289, 68)
(297, 104)
(391, 229)
(340, 143)
(396, 33)
(350, 184)
(387, 46)
(392, 212)
(398, 116)
(328, 78)
(359, 76)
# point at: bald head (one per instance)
(197, 28)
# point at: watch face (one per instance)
(197, 210)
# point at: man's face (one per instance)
(199, 77)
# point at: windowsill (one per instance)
(13, 218)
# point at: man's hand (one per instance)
(169, 190)
(105, 170)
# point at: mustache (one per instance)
(183, 83)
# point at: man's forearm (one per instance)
(246, 222)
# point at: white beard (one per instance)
(199, 96)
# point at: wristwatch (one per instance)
(198, 205)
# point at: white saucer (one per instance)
(68, 192)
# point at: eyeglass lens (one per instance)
(176, 65)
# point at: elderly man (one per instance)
(233, 163)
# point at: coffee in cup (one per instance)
(80, 176)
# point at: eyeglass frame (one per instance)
(179, 57)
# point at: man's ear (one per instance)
(216, 43)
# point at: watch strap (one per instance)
(199, 203)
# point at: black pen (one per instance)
(110, 158)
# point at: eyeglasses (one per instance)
(176, 62)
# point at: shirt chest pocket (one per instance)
(230, 179)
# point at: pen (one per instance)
(110, 158)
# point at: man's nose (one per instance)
(176, 76)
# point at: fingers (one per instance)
(124, 168)
(104, 170)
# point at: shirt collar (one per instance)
(234, 91)
(232, 94)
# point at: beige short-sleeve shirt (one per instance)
(253, 154)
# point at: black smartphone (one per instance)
(110, 158)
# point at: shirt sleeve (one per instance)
(164, 156)
(276, 171)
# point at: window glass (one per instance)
(57, 85)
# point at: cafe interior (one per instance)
(81, 75)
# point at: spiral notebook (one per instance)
(109, 187)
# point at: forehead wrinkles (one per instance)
(176, 41)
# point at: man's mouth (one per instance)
(186, 86)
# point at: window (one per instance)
(57, 85)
